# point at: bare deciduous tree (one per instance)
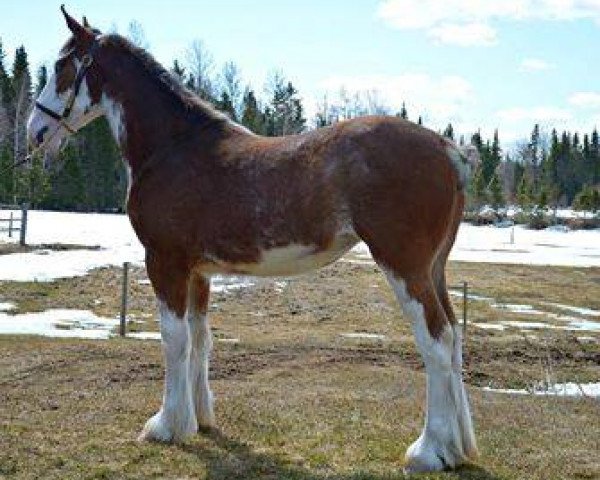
(200, 64)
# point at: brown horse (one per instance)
(207, 196)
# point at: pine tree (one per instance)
(287, 114)
(588, 199)
(67, 182)
(36, 182)
(20, 100)
(178, 71)
(225, 105)
(5, 84)
(524, 194)
(41, 80)
(101, 167)
(477, 189)
(403, 112)
(595, 155)
(496, 192)
(449, 132)
(252, 118)
(6, 178)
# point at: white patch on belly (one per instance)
(289, 260)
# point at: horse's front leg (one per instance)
(176, 418)
(201, 340)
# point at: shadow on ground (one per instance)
(226, 458)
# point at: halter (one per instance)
(61, 118)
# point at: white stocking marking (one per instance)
(177, 418)
(199, 361)
(447, 438)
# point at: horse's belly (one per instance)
(291, 259)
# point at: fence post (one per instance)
(10, 225)
(465, 302)
(23, 224)
(124, 300)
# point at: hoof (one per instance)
(430, 455)
(159, 429)
(206, 414)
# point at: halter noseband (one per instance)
(61, 118)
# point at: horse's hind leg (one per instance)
(198, 292)
(439, 280)
(176, 418)
(447, 438)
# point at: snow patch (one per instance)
(58, 323)
(118, 243)
(368, 336)
(219, 284)
(7, 306)
(144, 335)
(489, 326)
(568, 389)
(588, 312)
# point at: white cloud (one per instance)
(535, 65)
(585, 100)
(542, 114)
(443, 20)
(438, 99)
(464, 35)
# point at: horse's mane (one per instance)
(164, 79)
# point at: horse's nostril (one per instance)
(40, 135)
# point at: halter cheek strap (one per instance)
(61, 118)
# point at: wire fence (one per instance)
(464, 287)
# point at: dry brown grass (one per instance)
(294, 398)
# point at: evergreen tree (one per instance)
(403, 112)
(595, 158)
(178, 71)
(496, 192)
(99, 160)
(524, 194)
(226, 105)
(36, 182)
(252, 118)
(18, 109)
(449, 132)
(588, 199)
(477, 189)
(286, 115)
(41, 80)
(5, 87)
(67, 191)
(6, 177)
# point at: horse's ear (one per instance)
(73, 24)
(85, 22)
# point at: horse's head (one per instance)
(71, 97)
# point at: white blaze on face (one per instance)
(42, 127)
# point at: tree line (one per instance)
(547, 169)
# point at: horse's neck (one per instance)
(144, 119)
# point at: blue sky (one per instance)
(476, 63)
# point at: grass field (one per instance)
(294, 397)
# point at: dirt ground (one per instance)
(295, 397)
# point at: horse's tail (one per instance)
(465, 159)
